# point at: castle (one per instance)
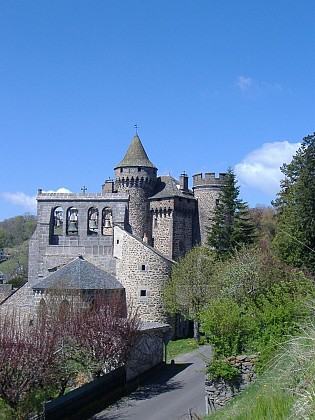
(132, 231)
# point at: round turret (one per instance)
(136, 175)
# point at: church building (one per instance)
(132, 231)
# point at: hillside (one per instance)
(15, 234)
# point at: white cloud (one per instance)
(244, 83)
(260, 169)
(25, 201)
(257, 87)
(60, 190)
(20, 199)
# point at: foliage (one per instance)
(230, 227)
(17, 264)
(258, 304)
(286, 390)
(17, 281)
(17, 229)
(28, 360)
(188, 288)
(295, 205)
(41, 357)
(264, 220)
(259, 401)
(221, 369)
(223, 324)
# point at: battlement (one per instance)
(208, 180)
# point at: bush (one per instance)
(221, 369)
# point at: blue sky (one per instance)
(211, 84)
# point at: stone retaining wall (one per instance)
(220, 391)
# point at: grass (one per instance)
(285, 391)
(260, 401)
(181, 346)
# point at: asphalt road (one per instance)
(172, 393)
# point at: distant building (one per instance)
(2, 277)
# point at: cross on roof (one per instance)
(83, 189)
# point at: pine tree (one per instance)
(295, 205)
(230, 227)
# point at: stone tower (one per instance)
(137, 176)
(207, 191)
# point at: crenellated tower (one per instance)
(207, 190)
(136, 175)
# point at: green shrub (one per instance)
(221, 369)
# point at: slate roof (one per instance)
(169, 187)
(135, 155)
(79, 275)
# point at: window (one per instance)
(143, 293)
(93, 221)
(107, 221)
(143, 267)
(72, 221)
(57, 221)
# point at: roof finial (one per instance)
(136, 127)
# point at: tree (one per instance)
(231, 226)
(27, 357)
(189, 286)
(70, 335)
(295, 205)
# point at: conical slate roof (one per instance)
(136, 155)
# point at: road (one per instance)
(170, 394)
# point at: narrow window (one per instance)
(143, 267)
(72, 221)
(143, 293)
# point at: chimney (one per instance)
(183, 182)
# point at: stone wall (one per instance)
(139, 183)
(206, 204)
(47, 251)
(142, 270)
(219, 391)
(148, 351)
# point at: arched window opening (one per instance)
(72, 221)
(58, 221)
(107, 220)
(92, 221)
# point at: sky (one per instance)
(211, 84)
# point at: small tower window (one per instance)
(143, 293)
(143, 267)
(139, 169)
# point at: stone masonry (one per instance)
(135, 229)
